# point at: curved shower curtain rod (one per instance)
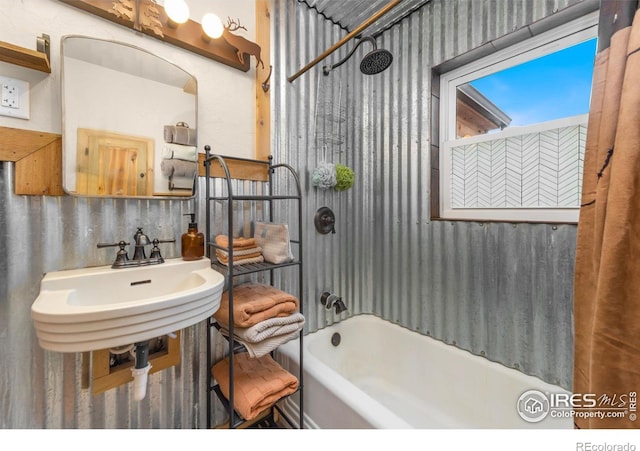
(385, 9)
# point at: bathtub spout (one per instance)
(339, 306)
(331, 300)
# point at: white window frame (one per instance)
(561, 37)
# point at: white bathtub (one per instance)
(384, 376)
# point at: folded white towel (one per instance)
(172, 151)
(265, 336)
(264, 347)
(271, 327)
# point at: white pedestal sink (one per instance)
(99, 308)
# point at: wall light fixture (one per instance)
(171, 24)
(177, 10)
(212, 25)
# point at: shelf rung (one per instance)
(256, 197)
(249, 268)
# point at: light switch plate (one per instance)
(14, 98)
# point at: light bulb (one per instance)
(212, 25)
(177, 10)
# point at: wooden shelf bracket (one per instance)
(33, 59)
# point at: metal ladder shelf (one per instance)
(232, 271)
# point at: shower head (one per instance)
(376, 61)
(373, 62)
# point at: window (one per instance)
(513, 128)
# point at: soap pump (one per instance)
(192, 241)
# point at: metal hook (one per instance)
(265, 84)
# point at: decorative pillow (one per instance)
(274, 241)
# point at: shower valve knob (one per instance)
(325, 220)
(328, 221)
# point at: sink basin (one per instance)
(98, 308)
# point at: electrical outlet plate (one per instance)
(14, 98)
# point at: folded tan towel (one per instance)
(238, 242)
(179, 168)
(241, 256)
(254, 302)
(236, 257)
(240, 252)
(242, 261)
(180, 134)
(258, 383)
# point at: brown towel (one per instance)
(258, 383)
(238, 242)
(255, 302)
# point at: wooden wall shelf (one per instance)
(21, 56)
(239, 169)
(38, 159)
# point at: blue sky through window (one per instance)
(551, 87)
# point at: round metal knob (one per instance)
(325, 220)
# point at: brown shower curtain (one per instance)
(607, 270)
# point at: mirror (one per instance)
(129, 122)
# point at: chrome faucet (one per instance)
(139, 256)
(333, 301)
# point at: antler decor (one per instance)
(148, 17)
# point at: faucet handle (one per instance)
(120, 243)
(157, 241)
(155, 251)
(121, 255)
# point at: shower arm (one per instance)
(385, 9)
(327, 69)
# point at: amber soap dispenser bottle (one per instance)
(192, 241)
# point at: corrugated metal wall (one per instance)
(341, 262)
(42, 389)
(501, 290)
(496, 289)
